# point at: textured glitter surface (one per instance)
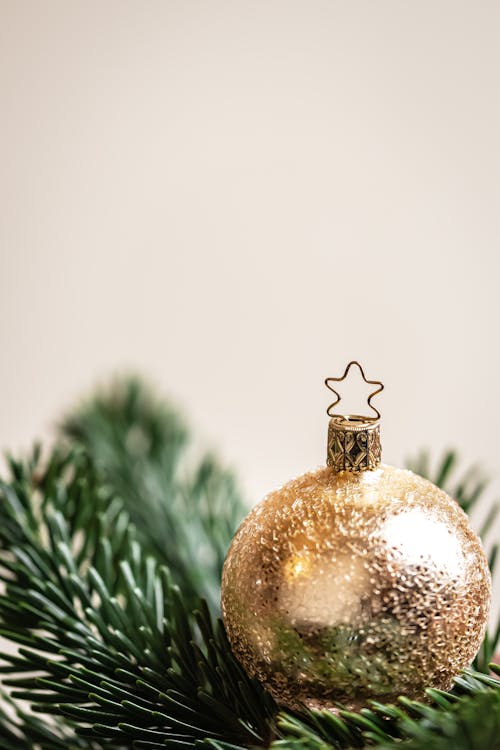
(348, 587)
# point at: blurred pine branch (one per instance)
(185, 508)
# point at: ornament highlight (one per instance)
(357, 581)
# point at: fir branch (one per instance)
(105, 638)
(467, 489)
(184, 514)
(472, 723)
(21, 730)
(467, 720)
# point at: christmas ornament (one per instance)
(357, 581)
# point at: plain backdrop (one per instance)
(236, 198)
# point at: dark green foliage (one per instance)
(106, 642)
(468, 722)
(105, 547)
(467, 489)
(185, 509)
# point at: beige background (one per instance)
(238, 197)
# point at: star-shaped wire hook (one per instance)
(328, 382)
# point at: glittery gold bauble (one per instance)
(345, 586)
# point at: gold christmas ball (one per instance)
(345, 586)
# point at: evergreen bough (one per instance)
(111, 550)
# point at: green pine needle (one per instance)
(185, 509)
(105, 638)
(471, 722)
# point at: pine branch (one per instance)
(468, 489)
(185, 514)
(469, 723)
(104, 637)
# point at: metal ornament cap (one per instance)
(353, 444)
(353, 440)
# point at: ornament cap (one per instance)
(353, 444)
(353, 439)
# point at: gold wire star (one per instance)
(328, 382)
